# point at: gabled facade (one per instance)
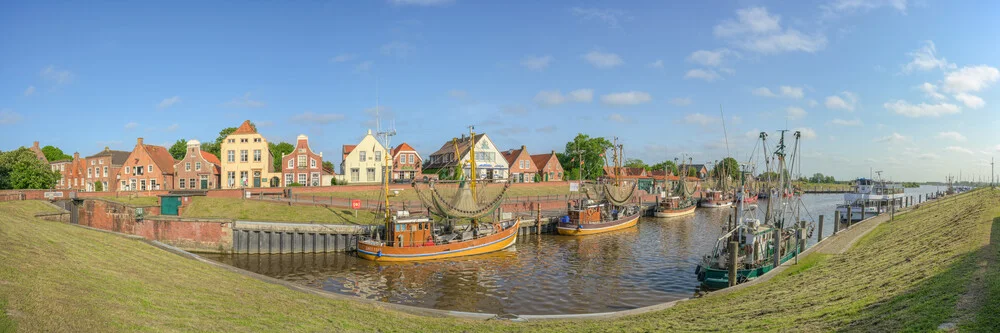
(549, 167)
(302, 166)
(198, 170)
(490, 164)
(406, 162)
(60, 167)
(246, 160)
(103, 168)
(363, 163)
(147, 168)
(522, 167)
(75, 174)
(701, 170)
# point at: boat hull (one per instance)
(496, 242)
(573, 229)
(675, 212)
(714, 279)
(715, 204)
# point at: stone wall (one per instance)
(203, 235)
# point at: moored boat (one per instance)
(715, 199)
(607, 207)
(673, 207)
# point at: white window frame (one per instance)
(231, 156)
(182, 182)
(378, 155)
(197, 166)
(187, 166)
(289, 178)
(244, 156)
(257, 156)
(312, 163)
(362, 156)
(149, 168)
(303, 180)
(291, 163)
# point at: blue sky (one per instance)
(908, 87)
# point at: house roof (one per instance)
(542, 160)
(403, 147)
(212, 159)
(38, 152)
(464, 144)
(245, 128)
(513, 154)
(349, 148)
(161, 157)
(118, 157)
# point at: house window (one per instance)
(302, 179)
(256, 155)
(92, 162)
(105, 171)
(302, 161)
(256, 139)
(411, 158)
(231, 140)
(315, 179)
(142, 184)
(371, 174)
(231, 178)
(244, 140)
(527, 164)
(138, 170)
(75, 181)
(128, 170)
(104, 185)
(182, 183)
(193, 184)
(361, 156)
(243, 178)
(88, 172)
(312, 163)
(288, 179)
(149, 168)
(244, 156)
(187, 166)
(231, 156)
(132, 184)
(355, 175)
(378, 156)
(197, 166)
(101, 162)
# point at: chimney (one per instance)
(106, 148)
(523, 148)
(138, 141)
(553, 152)
(35, 145)
(76, 155)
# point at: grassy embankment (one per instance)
(255, 210)
(929, 266)
(408, 193)
(823, 186)
(134, 201)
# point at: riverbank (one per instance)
(934, 265)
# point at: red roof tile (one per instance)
(401, 147)
(348, 149)
(245, 128)
(161, 157)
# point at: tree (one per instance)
(277, 150)
(669, 165)
(591, 151)
(54, 154)
(329, 166)
(636, 163)
(817, 178)
(728, 167)
(179, 149)
(21, 169)
(215, 148)
(692, 172)
(98, 187)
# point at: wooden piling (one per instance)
(819, 235)
(850, 215)
(836, 222)
(777, 247)
(538, 219)
(733, 257)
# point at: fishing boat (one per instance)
(716, 199)
(760, 241)
(465, 200)
(870, 197)
(677, 202)
(607, 206)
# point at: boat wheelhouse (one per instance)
(870, 197)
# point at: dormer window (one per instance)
(291, 163)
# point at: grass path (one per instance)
(904, 275)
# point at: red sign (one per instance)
(355, 204)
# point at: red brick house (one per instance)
(199, 170)
(61, 166)
(104, 167)
(302, 166)
(406, 163)
(147, 168)
(75, 174)
(522, 167)
(548, 167)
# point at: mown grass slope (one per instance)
(255, 210)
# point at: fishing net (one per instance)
(457, 199)
(619, 194)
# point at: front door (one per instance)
(204, 182)
(256, 179)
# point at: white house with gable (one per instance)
(363, 163)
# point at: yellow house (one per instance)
(246, 159)
(363, 163)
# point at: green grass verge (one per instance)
(516, 190)
(823, 186)
(6, 324)
(906, 275)
(987, 319)
(255, 210)
(137, 201)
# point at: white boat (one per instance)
(716, 199)
(870, 198)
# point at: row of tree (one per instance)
(584, 158)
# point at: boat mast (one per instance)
(387, 167)
(472, 162)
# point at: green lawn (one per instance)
(255, 210)
(408, 193)
(137, 201)
(823, 187)
(906, 275)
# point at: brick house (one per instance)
(60, 167)
(38, 152)
(548, 167)
(75, 173)
(104, 167)
(302, 166)
(490, 164)
(199, 170)
(147, 168)
(406, 162)
(522, 168)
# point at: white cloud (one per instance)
(952, 135)
(685, 101)
(842, 122)
(581, 95)
(700, 119)
(931, 91)
(245, 102)
(972, 101)
(58, 76)
(702, 74)
(795, 112)
(316, 118)
(616, 117)
(457, 94)
(958, 149)
(658, 64)
(928, 156)
(752, 134)
(420, 2)
(757, 30)
(536, 63)
(172, 128)
(397, 48)
(131, 125)
(626, 98)
(603, 60)
(736, 120)
(925, 58)
(847, 102)
(764, 92)
(807, 132)
(850, 6)
(9, 117)
(893, 138)
(791, 92)
(30, 91)
(709, 58)
(168, 102)
(342, 57)
(611, 17)
(364, 66)
(812, 103)
(921, 110)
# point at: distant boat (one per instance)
(716, 199)
(871, 196)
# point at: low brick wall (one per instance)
(202, 235)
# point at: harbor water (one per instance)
(542, 274)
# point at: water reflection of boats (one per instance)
(409, 239)
(613, 211)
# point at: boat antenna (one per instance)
(724, 133)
